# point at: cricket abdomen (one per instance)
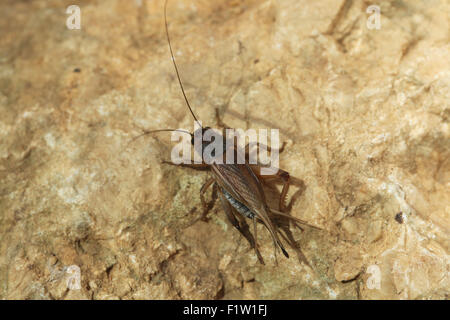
(240, 207)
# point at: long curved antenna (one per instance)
(175, 65)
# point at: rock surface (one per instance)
(364, 113)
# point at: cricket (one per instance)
(290, 150)
(240, 186)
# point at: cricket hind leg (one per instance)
(240, 225)
(255, 231)
(277, 244)
(288, 238)
(287, 180)
(207, 206)
(280, 175)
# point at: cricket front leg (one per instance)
(195, 166)
(202, 167)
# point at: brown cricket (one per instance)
(240, 185)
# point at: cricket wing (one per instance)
(243, 185)
(240, 181)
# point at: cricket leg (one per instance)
(301, 256)
(195, 166)
(202, 167)
(251, 154)
(243, 230)
(280, 175)
(203, 189)
(229, 212)
(256, 239)
(219, 121)
(282, 214)
(259, 145)
(206, 206)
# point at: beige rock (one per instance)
(364, 111)
(348, 266)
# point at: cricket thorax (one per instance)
(240, 207)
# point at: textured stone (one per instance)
(364, 114)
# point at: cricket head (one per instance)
(208, 143)
(200, 132)
(198, 135)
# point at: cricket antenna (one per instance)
(175, 65)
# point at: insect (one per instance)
(240, 185)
